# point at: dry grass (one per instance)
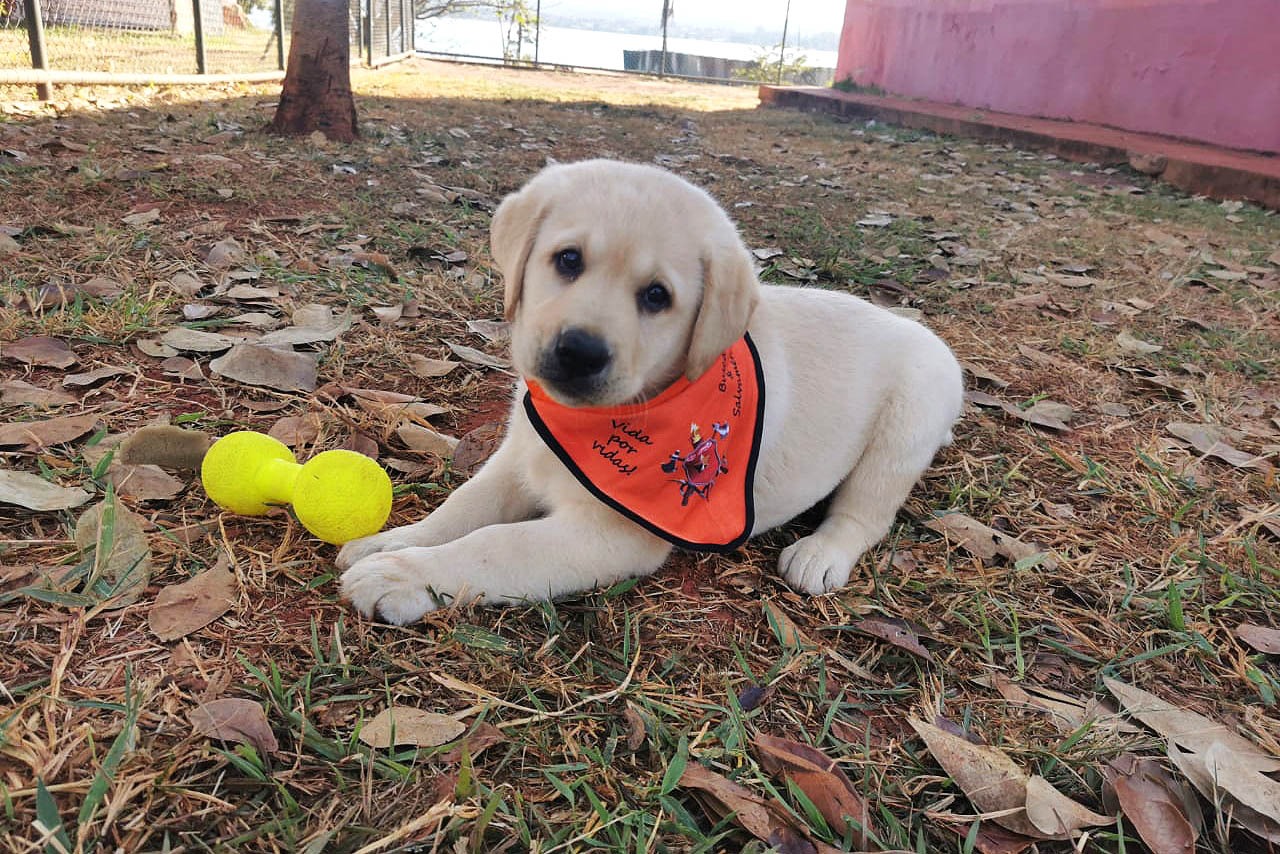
(1161, 553)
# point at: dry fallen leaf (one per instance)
(16, 392)
(476, 742)
(392, 405)
(33, 492)
(994, 839)
(93, 377)
(477, 357)
(763, 820)
(1188, 729)
(411, 726)
(387, 314)
(61, 294)
(1056, 815)
(231, 719)
(636, 733)
(985, 542)
(142, 218)
(983, 375)
(143, 483)
(430, 368)
(782, 626)
(1049, 413)
(254, 364)
(165, 445)
(1210, 440)
(426, 440)
(1237, 776)
(496, 331)
(475, 447)
(1067, 713)
(34, 435)
(995, 784)
(196, 341)
(155, 348)
(1192, 766)
(1261, 638)
(821, 780)
(1130, 344)
(40, 350)
(1148, 799)
(225, 253)
(1044, 413)
(181, 609)
(896, 632)
(295, 430)
(312, 324)
(115, 537)
(182, 367)
(361, 444)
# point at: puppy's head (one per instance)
(618, 279)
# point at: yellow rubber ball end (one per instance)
(342, 496)
(229, 471)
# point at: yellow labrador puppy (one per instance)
(666, 398)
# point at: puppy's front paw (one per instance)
(816, 565)
(387, 541)
(391, 585)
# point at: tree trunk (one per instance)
(317, 85)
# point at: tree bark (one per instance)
(317, 85)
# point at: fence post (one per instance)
(279, 10)
(782, 51)
(666, 15)
(537, 30)
(386, 17)
(368, 32)
(35, 38)
(197, 9)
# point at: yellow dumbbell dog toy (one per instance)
(337, 495)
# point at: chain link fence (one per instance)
(390, 34)
(794, 48)
(138, 37)
(157, 41)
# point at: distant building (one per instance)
(691, 65)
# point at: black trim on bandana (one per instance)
(749, 486)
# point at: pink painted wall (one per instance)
(1198, 69)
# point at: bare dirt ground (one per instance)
(1119, 449)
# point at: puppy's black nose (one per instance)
(579, 354)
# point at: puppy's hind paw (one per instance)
(814, 565)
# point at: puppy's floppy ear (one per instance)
(729, 295)
(511, 235)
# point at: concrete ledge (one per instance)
(1206, 170)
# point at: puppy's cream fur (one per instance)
(858, 400)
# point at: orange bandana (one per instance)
(682, 464)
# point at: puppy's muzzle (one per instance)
(576, 362)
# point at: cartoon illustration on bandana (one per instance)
(702, 465)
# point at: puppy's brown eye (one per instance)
(654, 299)
(569, 263)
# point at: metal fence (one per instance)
(187, 41)
(637, 37)
(389, 33)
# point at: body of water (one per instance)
(567, 46)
